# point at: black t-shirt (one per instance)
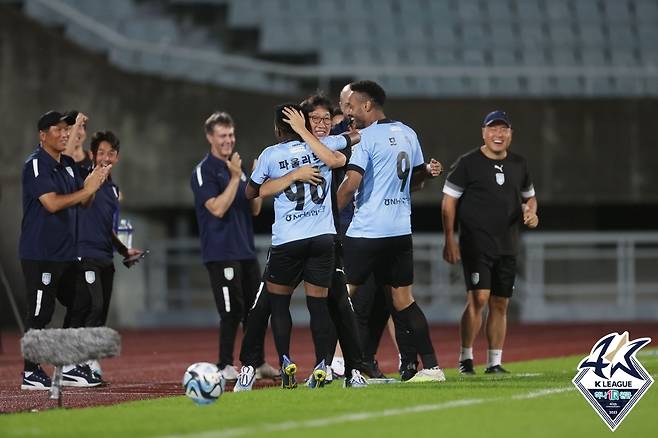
(490, 195)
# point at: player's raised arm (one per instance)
(297, 122)
(275, 186)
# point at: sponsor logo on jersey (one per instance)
(612, 379)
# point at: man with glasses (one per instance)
(489, 191)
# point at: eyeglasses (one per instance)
(317, 119)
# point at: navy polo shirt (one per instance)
(231, 237)
(48, 236)
(97, 222)
(343, 218)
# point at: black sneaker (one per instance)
(466, 367)
(496, 369)
(407, 371)
(80, 376)
(371, 369)
(36, 380)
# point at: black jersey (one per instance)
(490, 195)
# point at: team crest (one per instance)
(500, 178)
(90, 277)
(612, 379)
(70, 171)
(45, 278)
(228, 273)
(475, 278)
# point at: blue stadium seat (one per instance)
(558, 11)
(588, 12)
(617, 11)
(592, 35)
(529, 11)
(245, 13)
(646, 11)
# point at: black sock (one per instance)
(281, 323)
(347, 329)
(320, 326)
(415, 320)
(30, 366)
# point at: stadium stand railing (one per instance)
(569, 276)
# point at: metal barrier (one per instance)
(562, 277)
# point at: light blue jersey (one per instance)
(302, 210)
(386, 157)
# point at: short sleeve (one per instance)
(37, 179)
(456, 179)
(418, 159)
(204, 184)
(262, 171)
(359, 158)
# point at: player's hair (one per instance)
(316, 100)
(284, 128)
(218, 118)
(372, 89)
(101, 136)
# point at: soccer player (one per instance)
(224, 216)
(382, 171)
(302, 233)
(52, 191)
(489, 192)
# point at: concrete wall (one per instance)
(580, 151)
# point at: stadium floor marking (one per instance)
(362, 416)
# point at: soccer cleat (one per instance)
(318, 376)
(407, 371)
(36, 380)
(229, 372)
(466, 367)
(338, 366)
(245, 380)
(434, 374)
(356, 381)
(372, 370)
(288, 371)
(79, 376)
(496, 369)
(267, 371)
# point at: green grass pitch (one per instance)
(537, 400)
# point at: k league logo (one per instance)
(612, 379)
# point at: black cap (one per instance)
(497, 116)
(52, 118)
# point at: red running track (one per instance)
(152, 362)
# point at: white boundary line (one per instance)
(362, 416)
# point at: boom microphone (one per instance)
(61, 347)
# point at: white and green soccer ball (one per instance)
(203, 382)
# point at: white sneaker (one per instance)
(434, 374)
(338, 366)
(245, 380)
(80, 376)
(267, 371)
(229, 372)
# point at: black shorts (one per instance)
(485, 272)
(311, 260)
(390, 259)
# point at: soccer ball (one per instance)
(203, 383)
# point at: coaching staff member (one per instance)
(52, 190)
(224, 216)
(490, 192)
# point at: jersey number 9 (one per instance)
(300, 193)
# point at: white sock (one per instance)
(494, 357)
(466, 353)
